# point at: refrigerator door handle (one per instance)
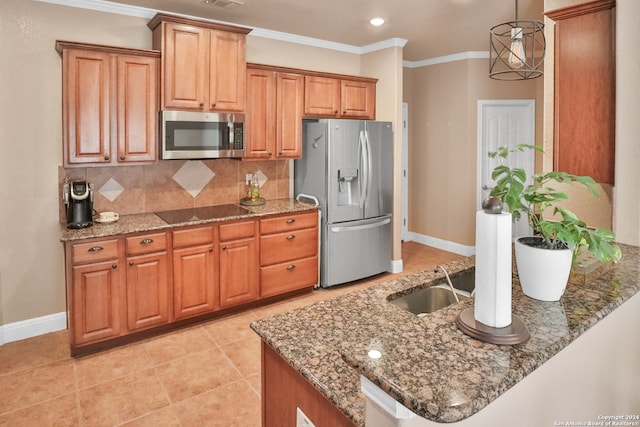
(369, 164)
(365, 169)
(361, 227)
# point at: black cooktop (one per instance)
(178, 216)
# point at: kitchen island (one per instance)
(439, 375)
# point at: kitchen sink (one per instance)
(438, 296)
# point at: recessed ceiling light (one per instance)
(376, 22)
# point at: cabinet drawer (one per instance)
(288, 222)
(94, 251)
(290, 276)
(193, 237)
(237, 230)
(276, 248)
(146, 244)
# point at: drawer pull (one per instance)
(291, 221)
(146, 241)
(95, 249)
(291, 236)
(114, 266)
(131, 264)
(211, 249)
(291, 267)
(224, 248)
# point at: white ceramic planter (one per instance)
(543, 273)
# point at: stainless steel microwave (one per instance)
(199, 135)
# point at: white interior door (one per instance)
(505, 123)
(405, 171)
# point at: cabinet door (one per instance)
(85, 107)
(261, 114)
(186, 67)
(96, 305)
(193, 281)
(239, 272)
(358, 99)
(137, 106)
(321, 96)
(148, 288)
(289, 108)
(227, 71)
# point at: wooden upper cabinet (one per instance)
(340, 97)
(109, 104)
(203, 64)
(86, 106)
(357, 99)
(321, 96)
(274, 114)
(584, 116)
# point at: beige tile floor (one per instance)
(206, 375)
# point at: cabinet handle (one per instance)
(95, 249)
(210, 249)
(213, 105)
(291, 220)
(114, 266)
(107, 158)
(291, 267)
(131, 264)
(291, 236)
(224, 248)
(201, 104)
(121, 157)
(146, 241)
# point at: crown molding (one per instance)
(462, 56)
(143, 12)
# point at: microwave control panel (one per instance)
(238, 137)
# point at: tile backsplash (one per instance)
(177, 184)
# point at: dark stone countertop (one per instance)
(150, 221)
(427, 364)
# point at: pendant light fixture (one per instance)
(516, 50)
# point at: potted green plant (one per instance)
(544, 260)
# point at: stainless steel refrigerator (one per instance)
(347, 166)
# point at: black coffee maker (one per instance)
(78, 198)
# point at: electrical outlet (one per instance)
(302, 420)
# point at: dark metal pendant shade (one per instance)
(516, 50)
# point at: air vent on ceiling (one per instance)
(224, 3)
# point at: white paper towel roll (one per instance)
(493, 269)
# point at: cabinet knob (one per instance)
(224, 248)
(213, 105)
(201, 104)
(291, 267)
(114, 266)
(107, 158)
(291, 236)
(131, 264)
(146, 241)
(95, 249)
(210, 249)
(291, 220)
(121, 157)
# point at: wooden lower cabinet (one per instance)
(193, 281)
(96, 302)
(284, 390)
(142, 283)
(239, 268)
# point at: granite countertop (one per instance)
(150, 221)
(427, 364)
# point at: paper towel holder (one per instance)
(515, 333)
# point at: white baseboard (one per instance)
(32, 327)
(444, 245)
(396, 266)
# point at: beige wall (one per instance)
(443, 143)
(31, 256)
